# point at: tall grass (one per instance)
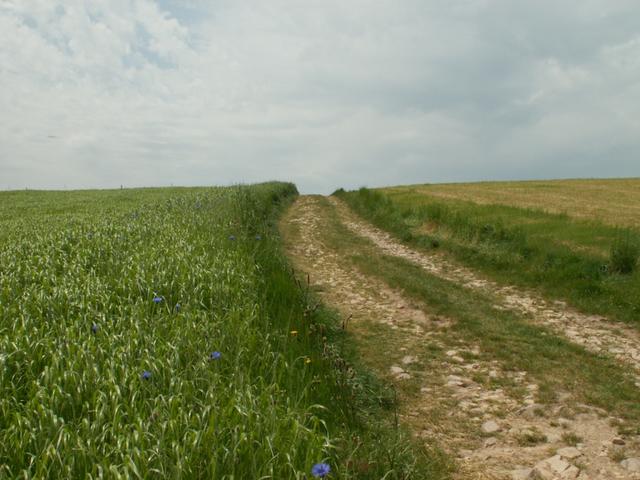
(624, 255)
(191, 287)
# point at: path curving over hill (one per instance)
(487, 415)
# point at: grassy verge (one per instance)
(148, 334)
(590, 265)
(556, 364)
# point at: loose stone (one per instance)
(554, 467)
(490, 442)
(569, 453)
(521, 474)
(455, 381)
(490, 426)
(408, 359)
(631, 464)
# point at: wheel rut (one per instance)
(593, 332)
(444, 397)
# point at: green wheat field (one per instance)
(160, 333)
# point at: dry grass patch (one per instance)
(611, 201)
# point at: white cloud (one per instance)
(98, 93)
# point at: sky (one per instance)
(327, 94)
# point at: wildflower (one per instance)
(146, 375)
(320, 470)
(157, 299)
(94, 328)
(294, 333)
(215, 355)
(177, 307)
(232, 237)
(258, 237)
(307, 360)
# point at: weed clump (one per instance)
(624, 255)
(530, 438)
(571, 438)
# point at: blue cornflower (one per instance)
(214, 355)
(258, 237)
(232, 237)
(146, 375)
(157, 299)
(320, 470)
(94, 328)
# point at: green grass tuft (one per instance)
(624, 255)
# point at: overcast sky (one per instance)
(327, 93)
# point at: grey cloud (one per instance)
(324, 93)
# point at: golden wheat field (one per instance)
(611, 201)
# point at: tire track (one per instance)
(593, 332)
(486, 424)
